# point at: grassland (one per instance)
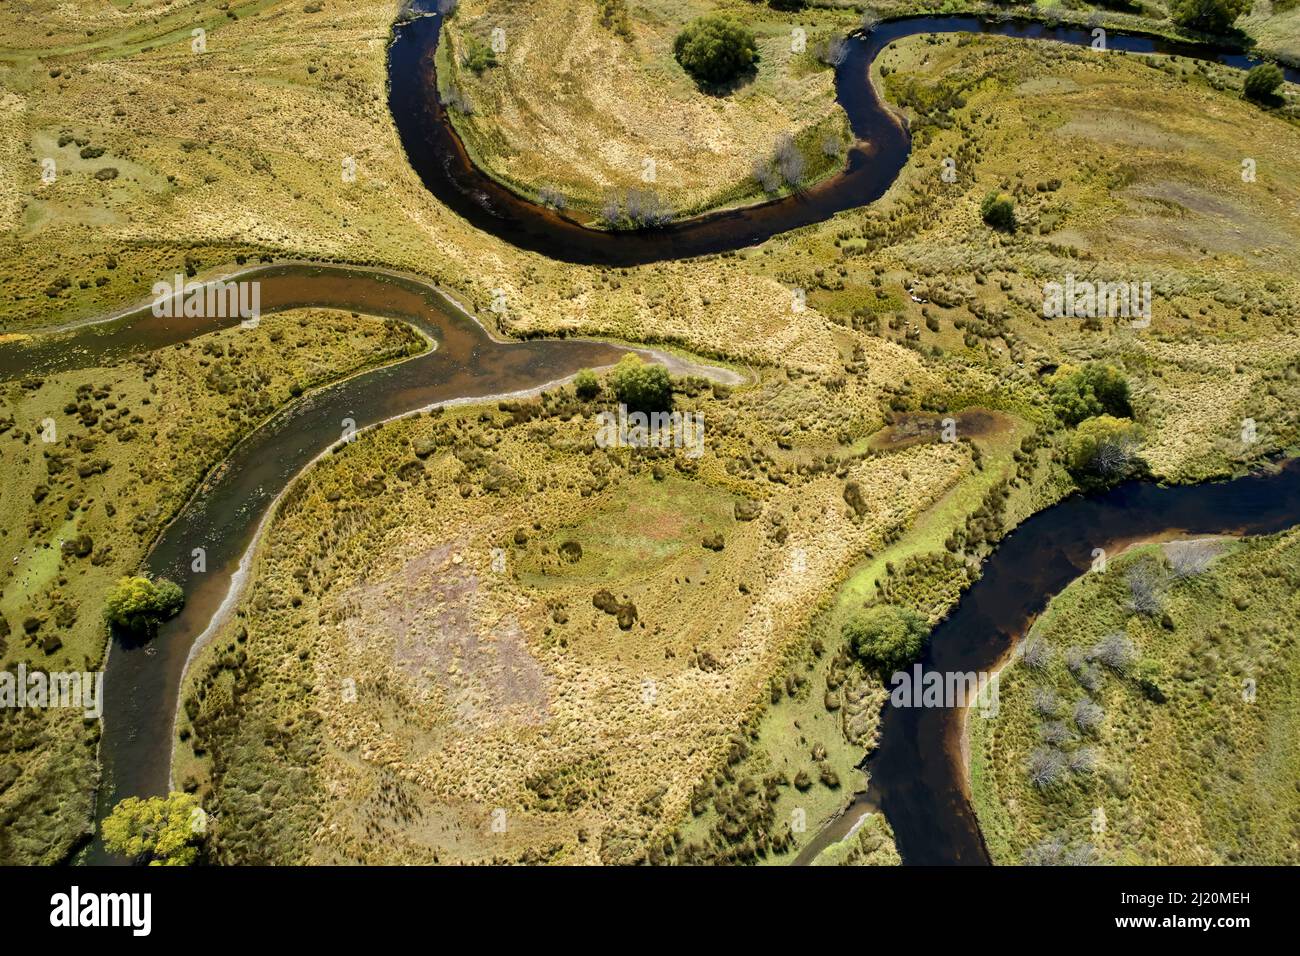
(619, 638)
(725, 791)
(578, 107)
(1121, 167)
(583, 95)
(1188, 754)
(95, 463)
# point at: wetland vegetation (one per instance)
(475, 634)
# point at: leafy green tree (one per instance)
(641, 386)
(167, 831)
(999, 211)
(1261, 82)
(715, 49)
(139, 605)
(1208, 16)
(1104, 448)
(586, 384)
(886, 636)
(1094, 389)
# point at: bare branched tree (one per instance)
(1046, 767)
(1083, 670)
(1049, 851)
(1190, 558)
(453, 98)
(645, 208)
(1056, 850)
(788, 159)
(1038, 655)
(1115, 457)
(1088, 715)
(834, 51)
(611, 211)
(1082, 854)
(1046, 703)
(767, 176)
(552, 197)
(1055, 733)
(1116, 651)
(1146, 581)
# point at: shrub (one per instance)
(1211, 16)
(999, 211)
(1104, 447)
(1116, 651)
(1046, 767)
(641, 386)
(1147, 674)
(1145, 582)
(715, 50)
(1087, 715)
(478, 56)
(886, 636)
(139, 605)
(586, 384)
(1261, 81)
(1094, 389)
(166, 831)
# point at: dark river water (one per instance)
(916, 778)
(142, 682)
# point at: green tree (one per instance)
(167, 831)
(715, 49)
(1104, 448)
(1208, 16)
(1261, 81)
(999, 211)
(586, 384)
(1094, 389)
(886, 636)
(139, 605)
(640, 386)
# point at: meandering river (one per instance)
(916, 773)
(443, 164)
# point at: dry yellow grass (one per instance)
(576, 106)
(252, 141)
(482, 690)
